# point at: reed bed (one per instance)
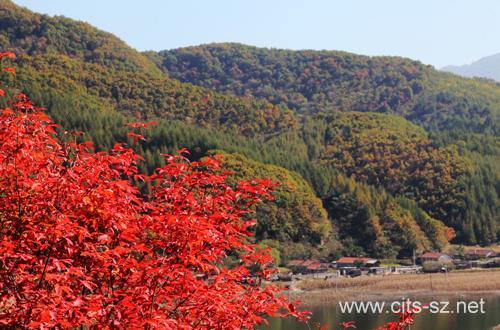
(370, 287)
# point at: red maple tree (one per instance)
(81, 246)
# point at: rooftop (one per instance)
(433, 255)
(352, 260)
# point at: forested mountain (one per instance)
(354, 182)
(455, 112)
(486, 67)
(330, 81)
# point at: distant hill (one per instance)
(486, 67)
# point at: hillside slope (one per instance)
(366, 220)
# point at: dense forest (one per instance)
(375, 156)
(330, 81)
(449, 167)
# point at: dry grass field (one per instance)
(458, 283)
(451, 248)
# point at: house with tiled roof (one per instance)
(307, 266)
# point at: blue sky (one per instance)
(437, 32)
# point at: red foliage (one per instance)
(81, 246)
(347, 325)
(141, 124)
(9, 70)
(7, 55)
(406, 319)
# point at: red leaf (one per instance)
(7, 55)
(9, 70)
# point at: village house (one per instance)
(480, 254)
(435, 256)
(358, 262)
(309, 266)
(406, 269)
(379, 271)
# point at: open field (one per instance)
(451, 248)
(458, 283)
